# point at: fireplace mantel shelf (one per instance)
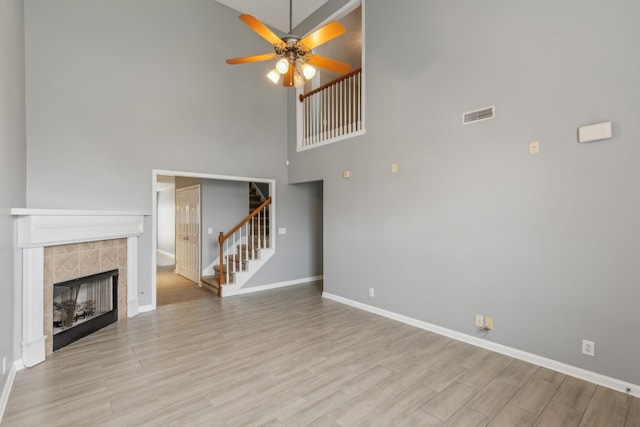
(50, 227)
(73, 212)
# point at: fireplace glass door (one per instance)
(84, 305)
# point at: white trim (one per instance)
(132, 276)
(51, 227)
(574, 371)
(167, 254)
(271, 286)
(332, 140)
(146, 308)
(8, 385)
(33, 339)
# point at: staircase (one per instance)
(244, 249)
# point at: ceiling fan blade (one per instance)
(262, 30)
(322, 35)
(329, 64)
(254, 58)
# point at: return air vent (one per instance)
(479, 115)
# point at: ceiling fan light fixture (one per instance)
(308, 71)
(282, 65)
(298, 81)
(274, 76)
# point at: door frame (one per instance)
(154, 211)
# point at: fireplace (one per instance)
(66, 242)
(84, 305)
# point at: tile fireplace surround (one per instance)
(108, 237)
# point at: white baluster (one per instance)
(226, 270)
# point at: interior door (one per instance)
(188, 232)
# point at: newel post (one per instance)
(222, 276)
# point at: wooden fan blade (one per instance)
(262, 30)
(322, 35)
(329, 64)
(254, 58)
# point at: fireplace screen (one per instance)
(84, 305)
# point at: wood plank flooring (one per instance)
(291, 358)
(172, 288)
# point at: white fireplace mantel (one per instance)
(37, 228)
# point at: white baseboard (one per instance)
(6, 391)
(574, 371)
(146, 308)
(271, 286)
(167, 258)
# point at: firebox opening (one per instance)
(84, 305)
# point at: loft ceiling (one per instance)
(275, 13)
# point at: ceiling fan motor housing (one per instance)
(292, 49)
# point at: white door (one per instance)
(188, 232)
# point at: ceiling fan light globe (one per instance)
(274, 76)
(298, 81)
(282, 66)
(308, 71)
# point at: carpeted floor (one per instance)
(172, 288)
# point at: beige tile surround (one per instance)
(66, 262)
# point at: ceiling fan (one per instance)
(295, 58)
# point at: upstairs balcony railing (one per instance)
(331, 112)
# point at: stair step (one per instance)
(210, 283)
(216, 269)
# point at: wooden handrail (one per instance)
(222, 237)
(303, 96)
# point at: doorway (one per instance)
(207, 236)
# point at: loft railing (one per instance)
(244, 239)
(331, 111)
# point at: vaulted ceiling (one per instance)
(275, 13)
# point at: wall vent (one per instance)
(479, 115)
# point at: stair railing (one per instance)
(332, 111)
(252, 232)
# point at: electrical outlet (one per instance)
(479, 320)
(394, 167)
(534, 147)
(372, 292)
(488, 323)
(588, 348)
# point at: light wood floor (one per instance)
(172, 288)
(290, 358)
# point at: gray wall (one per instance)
(116, 89)
(548, 244)
(12, 170)
(167, 220)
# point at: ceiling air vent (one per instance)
(479, 115)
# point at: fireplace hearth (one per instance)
(84, 305)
